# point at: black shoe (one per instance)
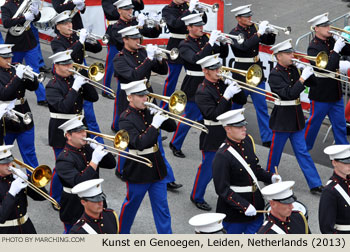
(173, 186)
(108, 96)
(164, 138)
(45, 69)
(177, 153)
(267, 144)
(317, 190)
(203, 206)
(43, 103)
(114, 130)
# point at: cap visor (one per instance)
(128, 7)
(344, 161)
(239, 124)
(248, 14)
(97, 198)
(135, 36)
(144, 92)
(213, 67)
(65, 62)
(201, 23)
(288, 50)
(80, 128)
(288, 200)
(324, 24)
(7, 160)
(6, 55)
(64, 21)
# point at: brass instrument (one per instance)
(27, 117)
(339, 29)
(204, 7)
(177, 101)
(228, 37)
(95, 72)
(74, 11)
(173, 53)
(18, 30)
(251, 88)
(340, 35)
(120, 143)
(274, 28)
(253, 75)
(92, 36)
(29, 72)
(179, 118)
(151, 22)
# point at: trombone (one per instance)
(37, 189)
(339, 29)
(120, 142)
(287, 30)
(29, 72)
(173, 53)
(177, 101)
(104, 38)
(253, 75)
(254, 89)
(95, 73)
(228, 37)
(178, 118)
(205, 7)
(340, 35)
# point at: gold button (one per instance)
(18, 206)
(240, 170)
(246, 156)
(21, 215)
(102, 225)
(95, 220)
(238, 203)
(288, 228)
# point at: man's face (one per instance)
(211, 75)
(341, 169)
(285, 59)
(65, 28)
(131, 44)
(92, 208)
(4, 62)
(280, 210)
(4, 171)
(137, 101)
(195, 31)
(76, 138)
(63, 70)
(323, 31)
(126, 15)
(244, 21)
(236, 134)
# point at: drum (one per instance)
(45, 23)
(297, 206)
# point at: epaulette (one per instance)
(126, 113)
(107, 210)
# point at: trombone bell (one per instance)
(253, 75)
(177, 101)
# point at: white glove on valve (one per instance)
(307, 72)
(158, 119)
(214, 35)
(339, 44)
(231, 90)
(193, 4)
(98, 154)
(29, 16)
(251, 211)
(78, 82)
(20, 69)
(34, 8)
(276, 178)
(82, 35)
(262, 27)
(150, 49)
(141, 18)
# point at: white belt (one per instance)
(194, 73)
(324, 75)
(242, 189)
(342, 227)
(178, 36)
(247, 60)
(15, 222)
(67, 190)
(211, 123)
(287, 103)
(112, 22)
(62, 116)
(150, 150)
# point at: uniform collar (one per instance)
(72, 148)
(340, 179)
(137, 111)
(88, 218)
(243, 28)
(7, 178)
(64, 78)
(211, 83)
(280, 67)
(130, 52)
(234, 143)
(276, 220)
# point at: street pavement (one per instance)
(282, 13)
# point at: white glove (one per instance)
(20, 69)
(80, 6)
(159, 54)
(276, 178)
(93, 143)
(307, 72)
(150, 49)
(78, 82)
(231, 90)
(153, 110)
(262, 27)
(34, 8)
(16, 186)
(344, 66)
(299, 65)
(193, 4)
(158, 119)
(3, 109)
(29, 16)
(82, 35)
(339, 44)
(251, 211)
(98, 154)
(78, 2)
(19, 173)
(141, 18)
(214, 35)
(29, 71)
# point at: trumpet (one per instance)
(254, 89)
(120, 142)
(27, 117)
(178, 118)
(274, 28)
(227, 38)
(37, 189)
(95, 73)
(177, 101)
(28, 73)
(18, 30)
(253, 75)
(92, 36)
(204, 7)
(74, 11)
(173, 53)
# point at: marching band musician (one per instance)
(236, 172)
(13, 86)
(13, 197)
(125, 9)
(333, 212)
(78, 162)
(326, 94)
(112, 15)
(143, 129)
(65, 95)
(172, 14)
(213, 97)
(247, 54)
(208, 223)
(195, 47)
(96, 219)
(287, 118)
(282, 219)
(24, 44)
(70, 5)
